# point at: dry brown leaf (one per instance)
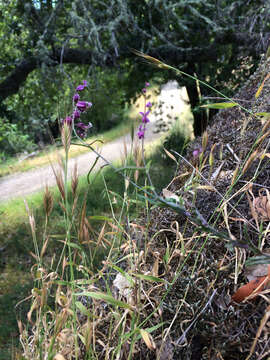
(169, 195)
(253, 272)
(148, 339)
(254, 287)
(262, 207)
(59, 357)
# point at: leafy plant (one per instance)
(12, 140)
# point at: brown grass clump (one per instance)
(232, 170)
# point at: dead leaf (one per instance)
(253, 272)
(148, 339)
(254, 287)
(59, 357)
(262, 207)
(169, 195)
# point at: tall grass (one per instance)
(119, 290)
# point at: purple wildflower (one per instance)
(144, 114)
(83, 105)
(82, 129)
(81, 87)
(76, 97)
(141, 132)
(76, 114)
(197, 152)
(84, 126)
(145, 119)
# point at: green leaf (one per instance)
(151, 329)
(224, 105)
(82, 309)
(149, 278)
(105, 297)
(255, 260)
(130, 168)
(100, 218)
(166, 255)
(263, 114)
(75, 246)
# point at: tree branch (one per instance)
(15, 80)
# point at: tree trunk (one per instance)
(199, 115)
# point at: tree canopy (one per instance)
(47, 44)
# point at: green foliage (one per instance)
(12, 140)
(199, 37)
(107, 96)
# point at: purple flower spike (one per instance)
(85, 83)
(145, 119)
(76, 97)
(140, 134)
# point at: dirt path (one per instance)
(21, 184)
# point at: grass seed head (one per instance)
(48, 201)
(66, 136)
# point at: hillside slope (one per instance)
(221, 187)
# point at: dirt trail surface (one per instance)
(21, 184)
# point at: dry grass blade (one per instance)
(261, 86)
(260, 140)
(151, 59)
(258, 334)
(170, 155)
(250, 160)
